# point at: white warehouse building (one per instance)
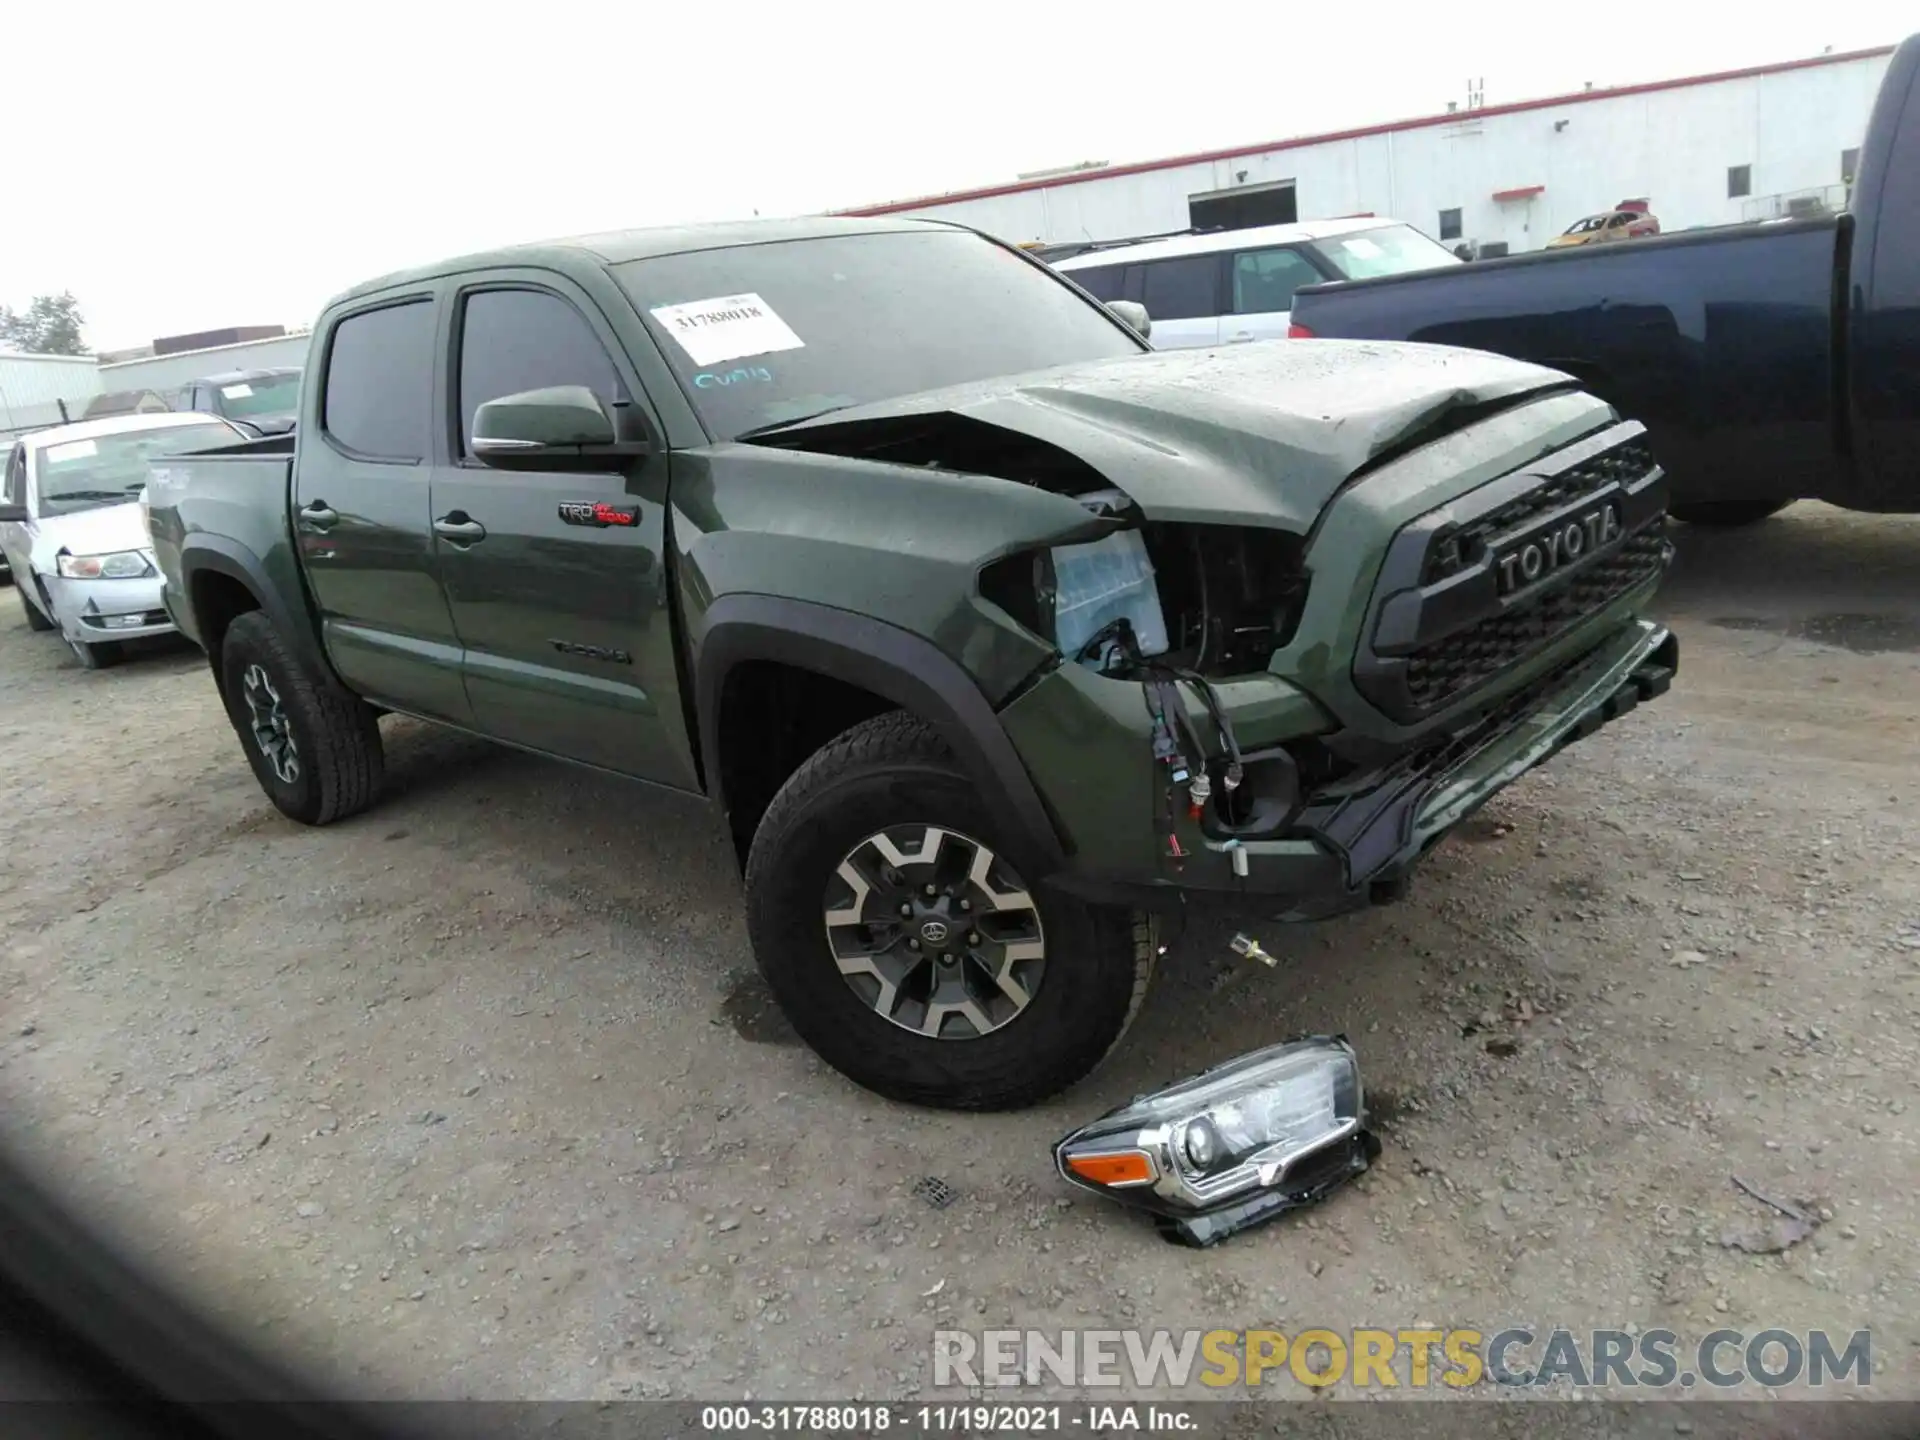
(1705, 150)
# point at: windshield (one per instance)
(263, 395)
(110, 469)
(762, 334)
(1389, 250)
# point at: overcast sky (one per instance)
(186, 167)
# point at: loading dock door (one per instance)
(1243, 207)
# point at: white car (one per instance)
(1237, 285)
(73, 531)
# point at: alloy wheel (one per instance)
(267, 719)
(935, 932)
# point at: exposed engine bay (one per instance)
(1167, 605)
(1211, 599)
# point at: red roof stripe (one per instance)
(1523, 192)
(1450, 117)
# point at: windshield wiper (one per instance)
(786, 424)
(65, 495)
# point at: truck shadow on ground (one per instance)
(1811, 573)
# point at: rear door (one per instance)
(1183, 300)
(564, 622)
(1260, 291)
(360, 511)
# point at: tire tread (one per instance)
(349, 766)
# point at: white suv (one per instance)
(1232, 285)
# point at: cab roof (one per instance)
(616, 247)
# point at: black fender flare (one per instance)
(216, 553)
(889, 662)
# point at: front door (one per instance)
(360, 514)
(558, 580)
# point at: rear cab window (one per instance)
(377, 389)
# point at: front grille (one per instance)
(1463, 545)
(1449, 667)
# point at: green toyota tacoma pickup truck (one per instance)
(992, 633)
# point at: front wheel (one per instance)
(35, 620)
(1726, 514)
(94, 655)
(314, 748)
(909, 952)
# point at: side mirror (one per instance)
(561, 428)
(13, 514)
(1135, 316)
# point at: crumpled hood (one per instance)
(89, 532)
(1260, 434)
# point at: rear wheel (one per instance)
(314, 748)
(1727, 514)
(906, 948)
(35, 620)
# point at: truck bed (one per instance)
(234, 499)
(1738, 393)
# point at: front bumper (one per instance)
(1358, 843)
(97, 611)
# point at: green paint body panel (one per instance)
(593, 644)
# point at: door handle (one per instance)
(459, 527)
(1241, 338)
(316, 516)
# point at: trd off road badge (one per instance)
(598, 514)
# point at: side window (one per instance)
(16, 483)
(1739, 181)
(1264, 280)
(1100, 281)
(379, 382)
(1449, 224)
(1619, 222)
(1180, 289)
(514, 340)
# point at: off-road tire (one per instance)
(335, 734)
(35, 619)
(894, 770)
(1726, 514)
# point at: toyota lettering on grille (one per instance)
(1531, 560)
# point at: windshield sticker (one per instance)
(1363, 247)
(237, 392)
(72, 450)
(740, 375)
(727, 327)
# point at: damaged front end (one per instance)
(1300, 637)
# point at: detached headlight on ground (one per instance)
(1234, 1145)
(120, 565)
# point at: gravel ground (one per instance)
(478, 1095)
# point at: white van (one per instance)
(1233, 285)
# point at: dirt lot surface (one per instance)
(478, 1094)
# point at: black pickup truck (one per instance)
(1770, 362)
